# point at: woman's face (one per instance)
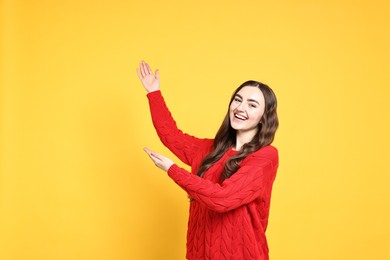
(246, 110)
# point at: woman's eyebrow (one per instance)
(250, 100)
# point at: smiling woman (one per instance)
(247, 126)
(246, 111)
(231, 175)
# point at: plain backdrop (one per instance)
(75, 182)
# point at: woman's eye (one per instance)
(237, 100)
(252, 106)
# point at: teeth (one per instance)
(239, 117)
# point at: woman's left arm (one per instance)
(254, 177)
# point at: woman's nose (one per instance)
(240, 107)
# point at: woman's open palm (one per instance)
(150, 81)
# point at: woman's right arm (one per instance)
(184, 146)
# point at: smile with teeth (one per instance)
(241, 117)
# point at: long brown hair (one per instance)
(226, 135)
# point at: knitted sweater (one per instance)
(227, 220)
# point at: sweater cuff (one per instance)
(155, 93)
(173, 171)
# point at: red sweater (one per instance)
(227, 220)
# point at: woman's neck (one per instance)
(243, 138)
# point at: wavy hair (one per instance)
(226, 135)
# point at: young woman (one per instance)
(231, 175)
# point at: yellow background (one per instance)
(75, 182)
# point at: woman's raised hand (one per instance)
(150, 81)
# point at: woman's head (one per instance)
(246, 110)
(252, 108)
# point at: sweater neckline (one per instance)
(232, 151)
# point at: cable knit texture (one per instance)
(227, 220)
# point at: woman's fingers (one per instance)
(159, 160)
(143, 69)
(139, 73)
(149, 152)
(148, 69)
(154, 156)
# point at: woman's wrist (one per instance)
(154, 90)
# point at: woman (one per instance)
(231, 176)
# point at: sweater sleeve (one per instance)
(254, 178)
(184, 146)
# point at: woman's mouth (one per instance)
(240, 117)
